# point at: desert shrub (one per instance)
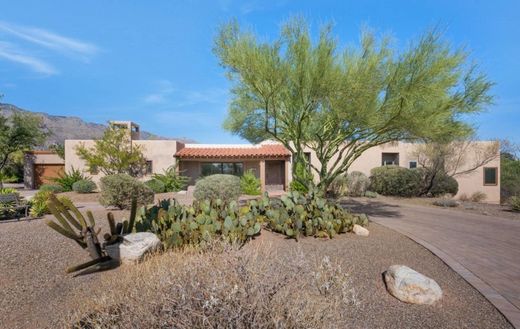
(478, 196)
(119, 190)
(249, 184)
(444, 184)
(51, 188)
(219, 186)
(395, 181)
(370, 194)
(66, 180)
(446, 203)
(39, 202)
(173, 181)
(339, 186)
(84, 186)
(199, 224)
(156, 185)
(8, 190)
(463, 197)
(296, 186)
(514, 202)
(296, 214)
(357, 183)
(227, 287)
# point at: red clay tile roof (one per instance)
(256, 151)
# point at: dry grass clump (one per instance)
(224, 287)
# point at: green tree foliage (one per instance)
(114, 154)
(509, 171)
(308, 94)
(18, 133)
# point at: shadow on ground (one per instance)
(371, 208)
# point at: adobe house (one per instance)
(271, 162)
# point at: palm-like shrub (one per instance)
(171, 178)
(249, 184)
(156, 185)
(119, 190)
(68, 178)
(39, 203)
(84, 186)
(224, 187)
(395, 181)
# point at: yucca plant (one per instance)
(172, 179)
(67, 179)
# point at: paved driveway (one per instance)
(484, 250)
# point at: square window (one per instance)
(389, 159)
(490, 176)
(413, 164)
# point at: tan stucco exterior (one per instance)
(160, 152)
(468, 183)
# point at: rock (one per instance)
(134, 247)
(410, 286)
(360, 230)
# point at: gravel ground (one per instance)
(34, 289)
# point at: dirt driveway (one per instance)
(485, 250)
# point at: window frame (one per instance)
(149, 167)
(235, 165)
(484, 176)
(410, 164)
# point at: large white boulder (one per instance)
(410, 286)
(360, 230)
(134, 247)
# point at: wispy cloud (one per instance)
(11, 53)
(51, 40)
(161, 93)
(167, 94)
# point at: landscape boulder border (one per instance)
(410, 286)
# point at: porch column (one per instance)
(262, 175)
(286, 176)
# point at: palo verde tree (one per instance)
(308, 95)
(114, 154)
(19, 132)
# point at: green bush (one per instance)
(118, 191)
(219, 186)
(198, 224)
(39, 202)
(8, 190)
(357, 183)
(156, 185)
(67, 179)
(395, 181)
(514, 201)
(370, 194)
(297, 214)
(84, 186)
(173, 181)
(249, 184)
(51, 188)
(444, 185)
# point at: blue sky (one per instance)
(151, 61)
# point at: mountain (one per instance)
(65, 127)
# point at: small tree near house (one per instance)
(114, 154)
(20, 132)
(307, 94)
(452, 159)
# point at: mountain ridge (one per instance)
(63, 127)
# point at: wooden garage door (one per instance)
(44, 173)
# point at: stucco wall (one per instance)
(160, 152)
(468, 184)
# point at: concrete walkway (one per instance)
(484, 250)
